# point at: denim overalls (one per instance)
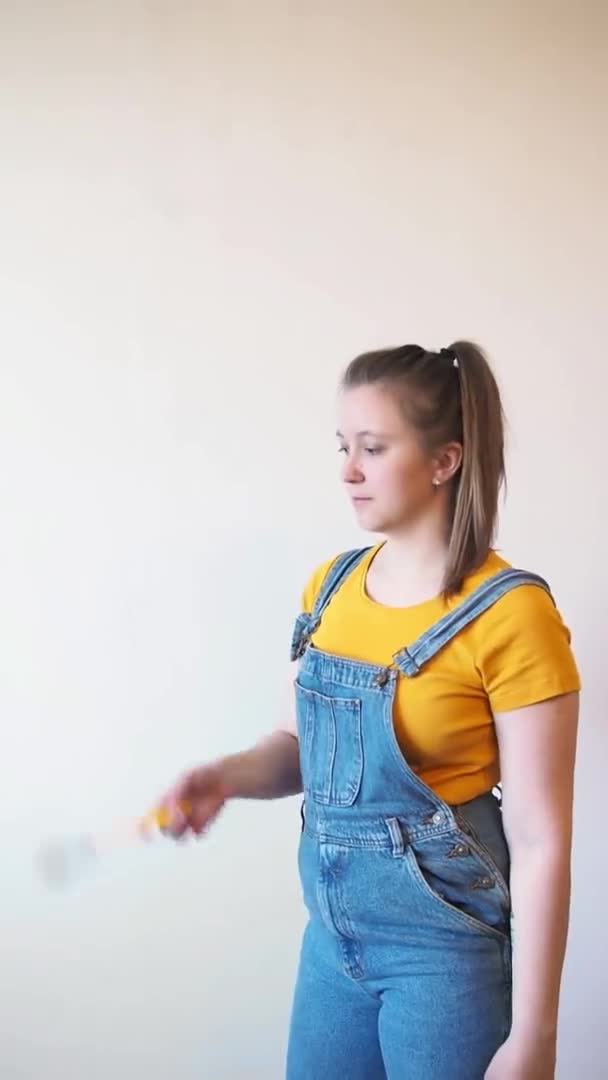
(405, 964)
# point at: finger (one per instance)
(180, 790)
(177, 828)
(204, 812)
(171, 817)
(175, 805)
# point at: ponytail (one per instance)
(482, 472)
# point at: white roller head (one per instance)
(62, 861)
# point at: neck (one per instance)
(417, 554)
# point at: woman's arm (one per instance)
(268, 770)
(271, 768)
(537, 754)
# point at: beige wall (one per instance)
(205, 209)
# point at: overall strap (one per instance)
(307, 624)
(337, 573)
(411, 659)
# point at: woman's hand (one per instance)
(195, 800)
(519, 1059)
(268, 770)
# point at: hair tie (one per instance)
(450, 355)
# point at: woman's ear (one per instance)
(447, 462)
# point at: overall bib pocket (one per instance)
(331, 747)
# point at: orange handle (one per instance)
(159, 815)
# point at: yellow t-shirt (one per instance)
(514, 654)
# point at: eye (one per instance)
(343, 450)
(373, 450)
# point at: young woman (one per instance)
(427, 672)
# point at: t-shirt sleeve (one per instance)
(524, 650)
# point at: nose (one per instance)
(351, 470)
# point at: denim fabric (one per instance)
(405, 966)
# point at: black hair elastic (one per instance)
(449, 354)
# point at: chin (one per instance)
(369, 520)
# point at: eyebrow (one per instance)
(361, 434)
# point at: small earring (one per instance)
(436, 482)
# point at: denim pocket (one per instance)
(463, 883)
(331, 749)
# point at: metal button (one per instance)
(381, 677)
(459, 849)
(485, 883)
(437, 818)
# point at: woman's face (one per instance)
(387, 474)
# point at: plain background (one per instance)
(206, 210)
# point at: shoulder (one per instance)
(314, 582)
(320, 573)
(520, 598)
(527, 604)
(523, 647)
